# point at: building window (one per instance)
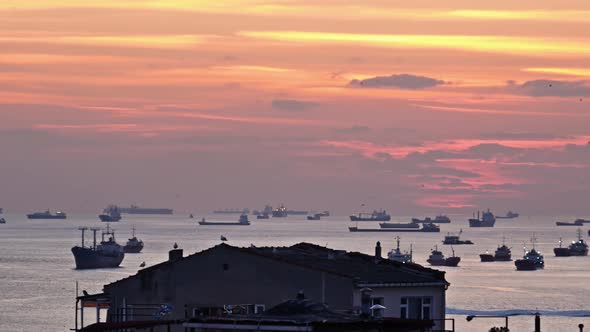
(225, 267)
(415, 307)
(377, 301)
(259, 308)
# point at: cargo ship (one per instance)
(576, 248)
(487, 219)
(375, 216)
(107, 254)
(134, 209)
(47, 215)
(110, 214)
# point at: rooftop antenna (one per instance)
(83, 229)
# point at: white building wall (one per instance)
(392, 300)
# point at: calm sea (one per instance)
(37, 275)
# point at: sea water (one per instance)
(37, 275)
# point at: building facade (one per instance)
(226, 280)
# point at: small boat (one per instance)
(397, 255)
(487, 219)
(107, 254)
(47, 215)
(243, 221)
(509, 215)
(453, 239)
(576, 248)
(577, 222)
(430, 227)
(2, 221)
(111, 214)
(437, 258)
(532, 260)
(133, 245)
(263, 216)
(191, 216)
(375, 216)
(399, 225)
(280, 212)
(440, 219)
(316, 216)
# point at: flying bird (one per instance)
(223, 238)
(142, 264)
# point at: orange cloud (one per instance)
(494, 44)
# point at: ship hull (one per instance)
(525, 265)
(145, 211)
(487, 258)
(451, 261)
(108, 218)
(87, 258)
(212, 223)
(313, 218)
(397, 225)
(32, 216)
(357, 218)
(561, 223)
(132, 249)
(480, 223)
(453, 243)
(420, 230)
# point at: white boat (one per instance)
(397, 255)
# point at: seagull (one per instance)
(85, 293)
(142, 264)
(223, 238)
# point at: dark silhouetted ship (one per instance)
(133, 245)
(107, 254)
(47, 215)
(111, 214)
(487, 220)
(134, 209)
(437, 258)
(576, 248)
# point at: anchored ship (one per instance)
(133, 245)
(487, 219)
(397, 255)
(134, 209)
(532, 260)
(576, 248)
(399, 225)
(316, 216)
(47, 215)
(509, 215)
(110, 214)
(440, 219)
(107, 254)
(437, 258)
(455, 239)
(280, 212)
(232, 211)
(502, 254)
(577, 222)
(375, 216)
(243, 221)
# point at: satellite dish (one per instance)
(377, 307)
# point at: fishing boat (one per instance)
(397, 255)
(374, 216)
(576, 248)
(437, 258)
(280, 212)
(107, 254)
(133, 245)
(532, 260)
(454, 239)
(2, 221)
(502, 253)
(243, 221)
(487, 219)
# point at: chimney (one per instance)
(378, 250)
(175, 254)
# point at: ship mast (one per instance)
(83, 229)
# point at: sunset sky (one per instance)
(423, 106)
